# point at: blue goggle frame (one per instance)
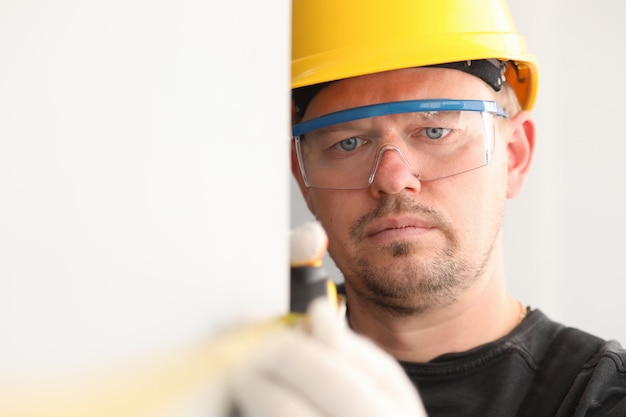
(397, 107)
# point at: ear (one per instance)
(520, 148)
(297, 174)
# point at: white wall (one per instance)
(143, 177)
(564, 235)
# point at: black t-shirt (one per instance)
(492, 379)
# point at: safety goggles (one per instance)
(435, 139)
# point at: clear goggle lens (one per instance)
(434, 138)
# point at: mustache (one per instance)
(396, 205)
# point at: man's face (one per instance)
(402, 243)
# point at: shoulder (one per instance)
(611, 352)
(548, 342)
(597, 369)
(600, 387)
(607, 367)
(576, 373)
(592, 352)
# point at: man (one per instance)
(412, 129)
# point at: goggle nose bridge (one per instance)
(379, 156)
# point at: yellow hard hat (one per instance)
(336, 39)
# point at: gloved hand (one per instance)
(324, 369)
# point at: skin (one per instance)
(422, 261)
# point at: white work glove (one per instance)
(324, 369)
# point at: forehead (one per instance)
(398, 85)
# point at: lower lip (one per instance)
(402, 233)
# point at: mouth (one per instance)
(397, 228)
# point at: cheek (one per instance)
(490, 202)
(475, 202)
(337, 211)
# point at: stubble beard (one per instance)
(414, 285)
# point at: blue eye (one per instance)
(436, 132)
(350, 144)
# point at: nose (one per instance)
(392, 173)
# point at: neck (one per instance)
(482, 314)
